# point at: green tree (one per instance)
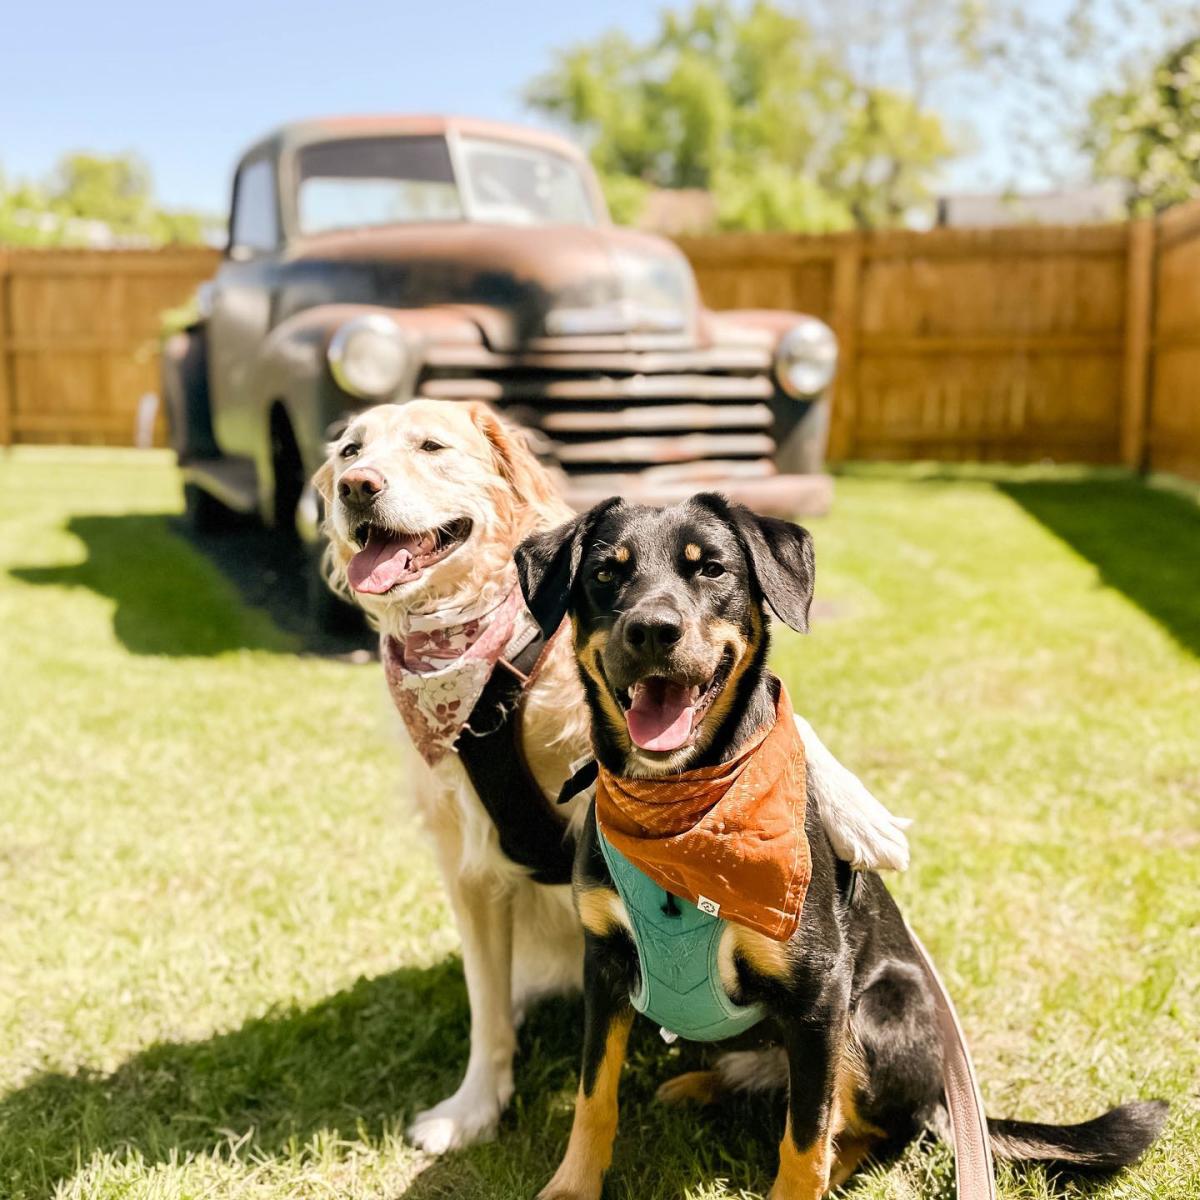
(749, 104)
(1148, 133)
(114, 191)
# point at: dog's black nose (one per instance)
(655, 629)
(361, 485)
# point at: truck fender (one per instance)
(184, 382)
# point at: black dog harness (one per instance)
(532, 834)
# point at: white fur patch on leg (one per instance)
(861, 829)
(469, 1116)
(753, 1070)
(547, 946)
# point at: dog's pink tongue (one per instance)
(660, 714)
(383, 562)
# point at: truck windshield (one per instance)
(375, 181)
(510, 184)
(356, 182)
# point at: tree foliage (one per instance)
(1148, 133)
(90, 199)
(751, 105)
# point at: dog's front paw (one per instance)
(461, 1120)
(561, 1189)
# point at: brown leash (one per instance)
(974, 1177)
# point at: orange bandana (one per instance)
(729, 838)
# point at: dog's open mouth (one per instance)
(389, 557)
(663, 714)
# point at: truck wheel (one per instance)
(184, 367)
(287, 469)
(204, 513)
(801, 434)
(328, 613)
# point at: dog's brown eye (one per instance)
(431, 447)
(712, 570)
(349, 450)
(603, 575)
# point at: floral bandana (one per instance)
(438, 672)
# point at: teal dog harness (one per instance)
(677, 947)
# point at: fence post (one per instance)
(6, 396)
(1139, 342)
(847, 268)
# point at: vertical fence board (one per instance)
(1139, 317)
(6, 391)
(844, 319)
(1173, 423)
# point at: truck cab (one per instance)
(375, 259)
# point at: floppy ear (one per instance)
(781, 555)
(547, 564)
(530, 482)
(323, 480)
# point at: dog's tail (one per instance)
(1105, 1143)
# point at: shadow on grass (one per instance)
(354, 1063)
(1144, 541)
(173, 594)
(359, 1064)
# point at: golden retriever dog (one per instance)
(425, 503)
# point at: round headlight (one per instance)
(368, 356)
(806, 358)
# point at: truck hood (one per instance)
(538, 282)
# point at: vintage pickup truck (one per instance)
(374, 259)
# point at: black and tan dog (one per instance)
(669, 613)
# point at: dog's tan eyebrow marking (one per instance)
(621, 554)
(692, 552)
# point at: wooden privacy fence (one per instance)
(1171, 423)
(1074, 344)
(79, 337)
(1008, 344)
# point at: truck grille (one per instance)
(620, 419)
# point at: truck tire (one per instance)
(185, 396)
(801, 433)
(287, 474)
(204, 513)
(327, 613)
(189, 425)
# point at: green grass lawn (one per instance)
(226, 969)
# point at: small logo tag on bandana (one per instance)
(709, 907)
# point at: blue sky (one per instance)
(187, 86)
